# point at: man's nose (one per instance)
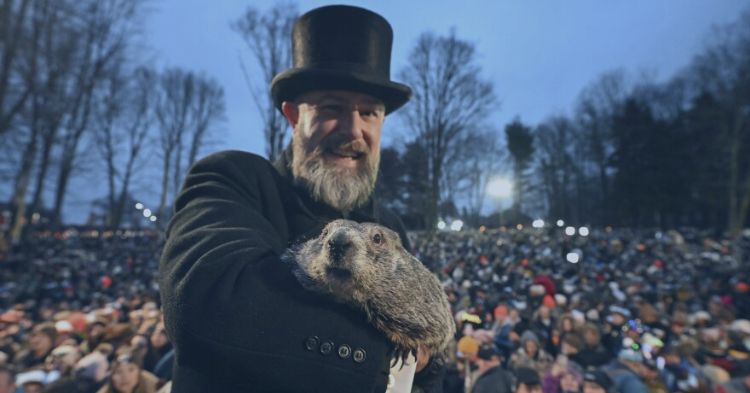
(353, 125)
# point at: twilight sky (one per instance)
(538, 54)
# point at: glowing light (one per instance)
(482, 228)
(441, 225)
(152, 218)
(519, 227)
(560, 223)
(147, 213)
(570, 231)
(538, 223)
(583, 231)
(139, 206)
(573, 257)
(500, 187)
(457, 225)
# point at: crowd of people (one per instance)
(558, 309)
(537, 309)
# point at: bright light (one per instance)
(152, 218)
(573, 257)
(441, 224)
(583, 231)
(519, 227)
(500, 188)
(538, 223)
(457, 225)
(570, 231)
(147, 213)
(560, 223)
(139, 206)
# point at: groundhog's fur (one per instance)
(366, 266)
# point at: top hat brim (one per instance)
(288, 85)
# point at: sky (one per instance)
(538, 54)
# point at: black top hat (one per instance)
(341, 48)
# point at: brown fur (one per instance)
(401, 297)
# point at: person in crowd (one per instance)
(565, 376)
(530, 354)
(41, 341)
(491, 378)
(527, 380)
(627, 371)
(593, 354)
(597, 381)
(126, 375)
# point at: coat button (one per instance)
(359, 355)
(311, 343)
(344, 351)
(326, 347)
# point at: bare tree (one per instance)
(723, 70)
(449, 99)
(14, 15)
(267, 36)
(45, 68)
(106, 28)
(172, 111)
(187, 107)
(207, 111)
(124, 117)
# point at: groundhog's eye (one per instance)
(377, 238)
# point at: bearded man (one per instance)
(237, 317)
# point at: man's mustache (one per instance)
(355, 146)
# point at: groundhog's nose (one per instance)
(338, 244)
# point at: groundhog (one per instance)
(366, 266)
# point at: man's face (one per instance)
(336, 145)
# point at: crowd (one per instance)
(538, 310)
(557, 309)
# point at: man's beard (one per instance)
(344, 189)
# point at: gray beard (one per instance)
(344, 189)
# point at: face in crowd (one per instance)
(336, 145)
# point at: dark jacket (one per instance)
(494, 380)
(238, 319)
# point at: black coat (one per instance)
(238, 319)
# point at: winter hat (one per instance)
(528, 335)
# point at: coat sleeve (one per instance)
(218, 241)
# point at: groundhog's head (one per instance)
(348, 258)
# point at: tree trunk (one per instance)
(23, 178)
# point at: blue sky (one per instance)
(538, 54)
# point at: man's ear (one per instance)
(291, 112)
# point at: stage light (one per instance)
(570, 231)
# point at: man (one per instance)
(238, 319)
(492, 378)
(626, 371)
